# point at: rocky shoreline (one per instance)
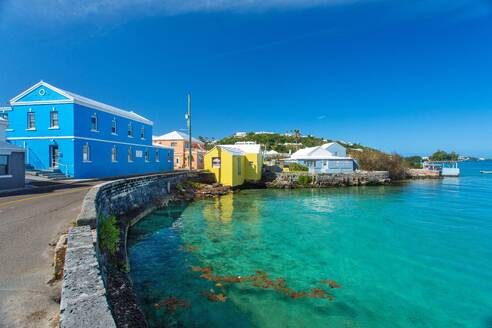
(292, 180)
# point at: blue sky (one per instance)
(404, 76)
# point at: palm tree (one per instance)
(297, 136)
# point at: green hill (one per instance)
(283, 143)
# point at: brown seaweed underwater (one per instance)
(258, 280)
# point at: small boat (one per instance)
(486, 172)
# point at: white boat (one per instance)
(486, 172)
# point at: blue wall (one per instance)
(75, 131)
(37, 153)
(332, 166)
(101, 164)
(83, 116)
(38, 95)
(18, 121)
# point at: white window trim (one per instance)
(54, 127)
(28, 121)
(130, 160)
(6, 176)
(97, 123)
(115, 127)
(88, 160)
(116, 155)
(130, 129)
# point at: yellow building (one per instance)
(232, 165)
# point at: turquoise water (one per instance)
(413, 255)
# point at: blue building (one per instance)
(80, 137)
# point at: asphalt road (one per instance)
(28, 224)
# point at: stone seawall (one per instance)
(83, 302)
(127, 200)
(323, 180)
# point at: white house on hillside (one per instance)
(328, 158)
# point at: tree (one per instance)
(442, 155)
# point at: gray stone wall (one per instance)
(83, 302)
(322, 180)
(121, 196)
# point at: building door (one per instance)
(54, 157)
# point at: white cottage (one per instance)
(328, 158)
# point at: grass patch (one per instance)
(304, 180)
(109, 235)
(296, 167)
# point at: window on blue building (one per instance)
(146, 155)
(157, 155)
(168, 157)
(130, 154)
(142, 133)
(113, 126)
(54, 119)
(130, 130)
(94, 122)
(114, 157)
(86, 153)
(31, 120)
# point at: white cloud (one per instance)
(76, 9)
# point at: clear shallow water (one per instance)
(415, 255)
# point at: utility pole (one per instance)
(190, 145)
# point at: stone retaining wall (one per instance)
(120, 196)
(83, 302)
(96, 290)
(323, 180)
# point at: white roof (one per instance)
(77, 99)
(231, 149)
(242, 149)
(271, 152)
(313, 153)
(327, 145)
(176, 135)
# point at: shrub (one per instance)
(304, 180)
(297, 167)
(109, 235)
(372, 160)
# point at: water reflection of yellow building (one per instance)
(222, 208)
